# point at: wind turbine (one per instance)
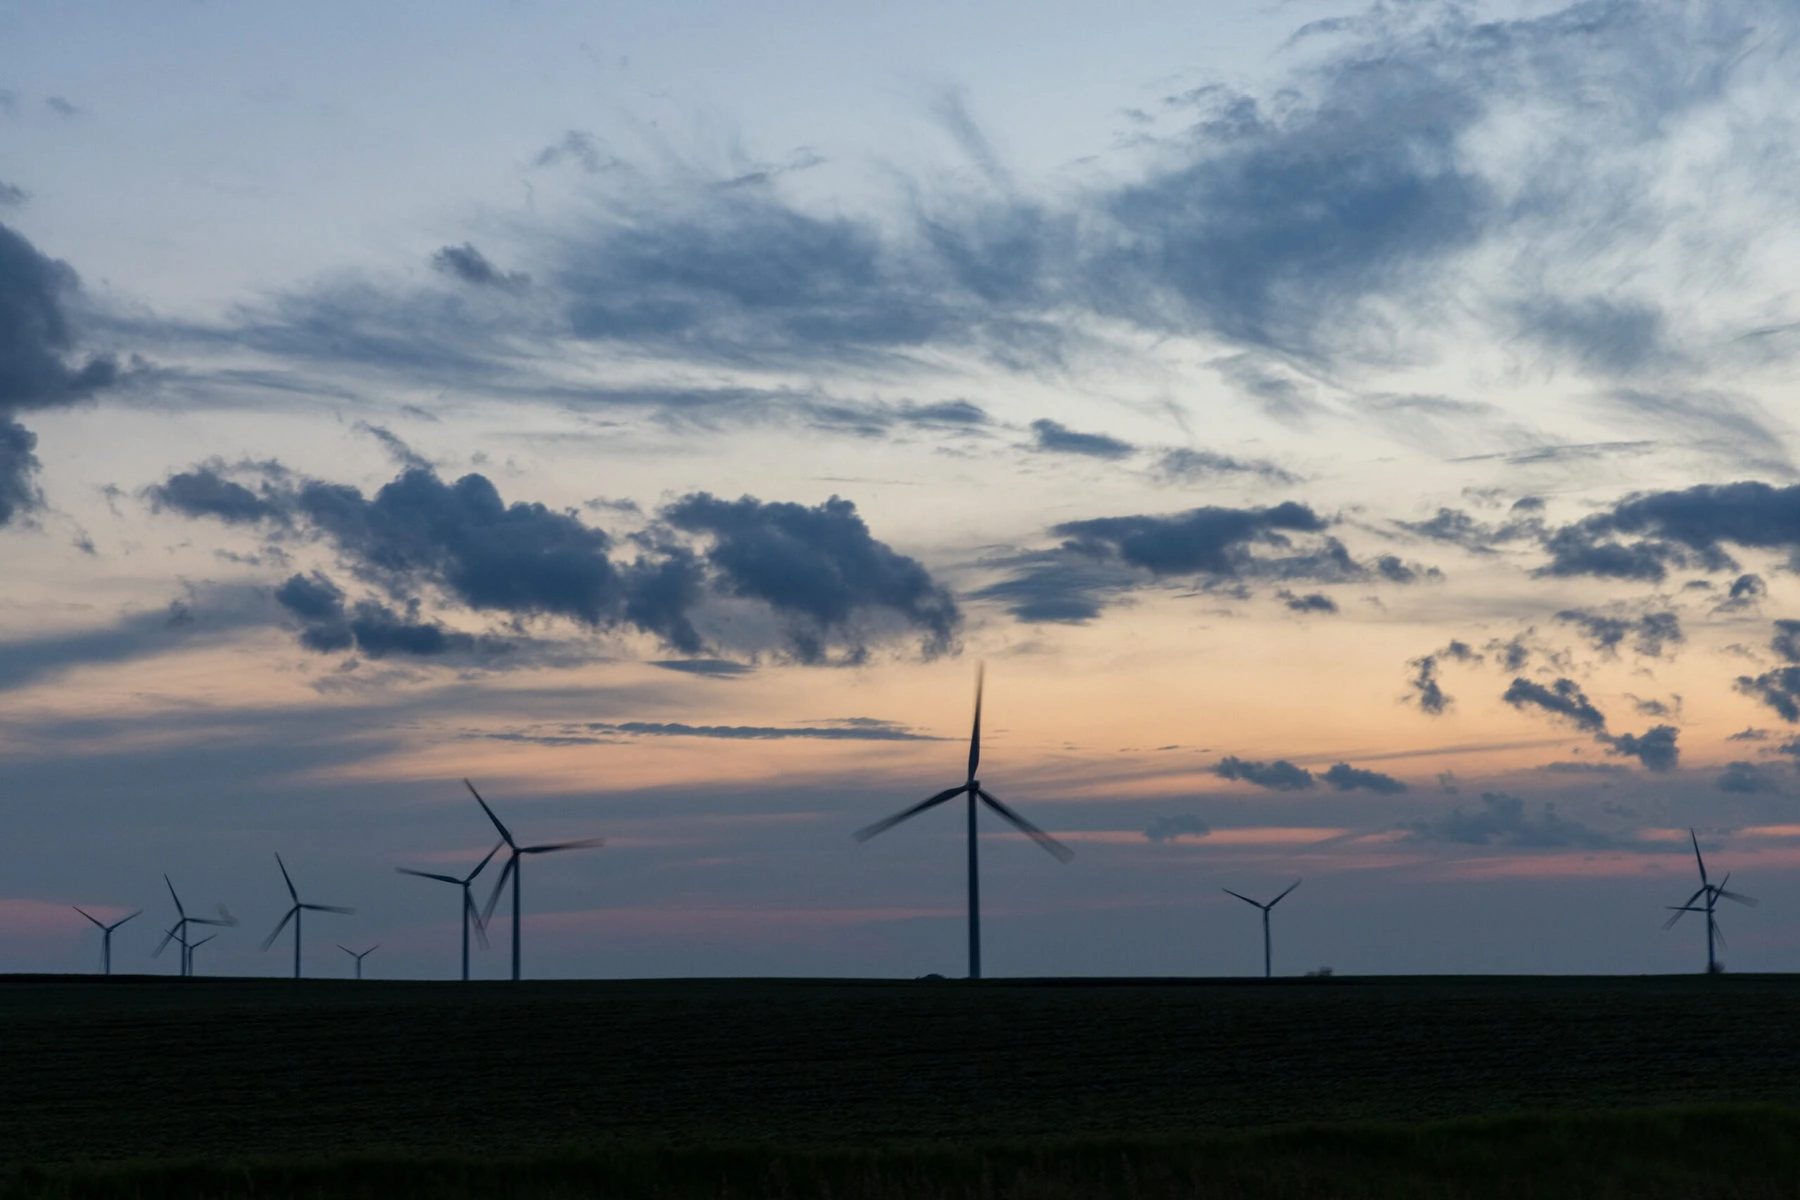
(1267, 956)
(971, 787)
(1708, 895)
(188, 948)
(179, 930)
(359, 957)
(468, 905)
(293, 914)
(105, 935)
(513, 868)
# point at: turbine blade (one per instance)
(1670, 923)
(122, 920)
(1752, 901)
(192, 946)
(225, 918)
(1694, 897)
(1695, 837)
(483, 863)
(179, 911)
(1056, 849)
(504, 834)
(345, 949)
(1720, 935)
(427, 875)
(331, 908)
(162, 945)
(287, 880)
(512, 864)
(90, 916)
(548, 847)
(1241, 896)
(270, 940)
(887, 823)
(1291, 887)
(480, 925)
(975, 734)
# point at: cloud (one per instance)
(200, 616)
(1346, 778)
(1053, 437)
(12, 195)
(1280, 775)
(819, 568)
(1312, 602)
(470, 266)
(579, 147)
(373, 629)
(1174, 828)
(711, 668)
(1655, 749)
(1563, 698)
(37, 367)
(1502, 821)
(1751, 734)
(1745, 778)
(1571, 767)
(1780, 688)
(1747, 591)
(829, 585)
(1650, 633)
(1190, 466)
(1427, 692)
(1643, 536)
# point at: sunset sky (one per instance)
(1358, 441)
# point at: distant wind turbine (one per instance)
(971, 787)
(180, 928)
(470, 914)
(188, 949)
(293, 914)
(513, 869)
(359, 957)
(106, 932)
(1708, 897)
(1268, 957)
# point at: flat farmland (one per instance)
(143, 1067)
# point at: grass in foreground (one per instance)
(1739, 1151)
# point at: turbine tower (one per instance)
(188, 948)
(513, 869)
(179, 930)
(971, 787)
(293, 914)
(359, 957)
(1708, 896)
(1268, 957)
(469, 911)
(105, 935)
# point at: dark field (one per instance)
(214, 1068)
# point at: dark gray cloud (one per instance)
(1576, 767)
(1563, 698)
(1427, 691)
(1211, 541)
(710, 668)
(1056, 587)
(1747, 591)
(1346, 778)
(579, 147)
(62, 106)
(197, 617)
(1312, 602)
(12, 195)
(1751, 734)
(1655, 749)
(1174, 828)
(1280, 775)
(1645, 535)
(1745, 779)
(1053, 437)
(1649, 633)
(329, 625)
(1503, 821)
(1779, 688)
(471, 266)
(38, 367)
(1190, 466)
(820, 568)
(832, 586)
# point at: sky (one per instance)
(1358, 441)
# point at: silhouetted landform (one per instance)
(1724, 1151)
(155, 1066)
